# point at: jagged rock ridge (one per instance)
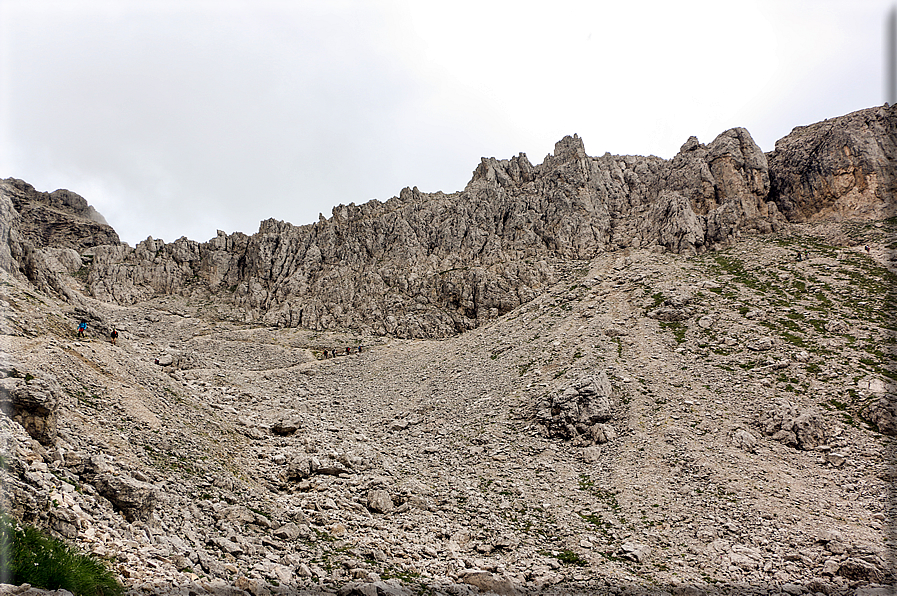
(434, 264)
(431, 265)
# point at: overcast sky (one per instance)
(181, 118)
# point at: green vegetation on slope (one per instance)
(28, 556)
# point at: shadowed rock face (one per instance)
(842, 168)
(42, 234)
(60, 219)
(432, 265)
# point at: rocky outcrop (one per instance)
(32, 400)
(842, 168)
(784, 422)
(42, 235)
(432, 265)
(580, 411)
(60, 219)
(9, 223)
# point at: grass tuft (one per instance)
(29, 556)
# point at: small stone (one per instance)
(836, 326)
(836, 459)
(745, 440)
(634, 551)
(591, 454)
(286, 426)
(762, 344)
(289, 531)
(379, 501)
(830, 567)
(397, 425)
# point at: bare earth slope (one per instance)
(644, 420)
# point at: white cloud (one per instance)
(181, 118)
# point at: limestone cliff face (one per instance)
(842, 168)
(431, 265)
(42, 234)
(423, 265)
(60, 219)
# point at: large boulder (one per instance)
(883, 414)
(32, 400)
(793, 426)
(579, 411)
(135, 499)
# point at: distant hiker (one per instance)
(348, 351)
(82, 327)
(800, 256)
(867, 250)
(113, 336)
(359, 349)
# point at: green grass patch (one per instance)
(595, 520)
(566, 557)
(677, 328)
(45, 562)
(790, 325)
(619, 343)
